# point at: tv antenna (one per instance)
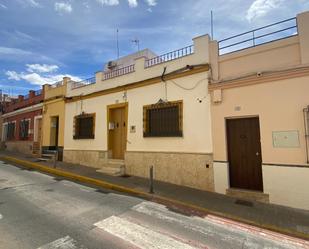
(136, 41)
(117, 43)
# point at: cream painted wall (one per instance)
(302, 26)
(279, 106)
(287, 185)
(266, 57)
(51, 109)
(196, 117)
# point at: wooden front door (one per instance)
(117, 132)
(54, 132)
(244, 153)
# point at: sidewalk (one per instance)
(294, 222)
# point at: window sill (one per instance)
(82, 138)
(147, 135)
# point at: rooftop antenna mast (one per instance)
(136, 41)
(212, 24)
(117, 43)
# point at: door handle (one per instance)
(257, 153)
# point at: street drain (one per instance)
(49, 190)
(244, 203)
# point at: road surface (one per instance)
(38, 211)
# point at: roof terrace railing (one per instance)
(276, 31)
(57, 84)
(82, 83)
(118, 72)
(170, 56)
(38, 92)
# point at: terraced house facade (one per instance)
(260, 115)
(144, 110)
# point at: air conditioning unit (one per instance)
(111, 64)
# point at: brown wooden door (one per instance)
(117, 135)
(244, 153)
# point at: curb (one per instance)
(159, 199)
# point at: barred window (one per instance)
(163, 119)
(24, 129)
(84, 126)
(10, 131)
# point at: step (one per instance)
(114, 171)
(115, 161)
(42, 159)
(248, 195)
(48, 155)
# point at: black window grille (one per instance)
(24, 129)
(84, 126)
(10, 131)
(163, 120)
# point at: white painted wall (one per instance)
(221, 177)
(287, 185)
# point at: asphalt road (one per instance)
(40, 211)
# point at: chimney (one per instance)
(66, 80)
(31, 94)
(20, 98)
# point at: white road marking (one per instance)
(1, 216)
(76, 185)
(212, 227)
(64, 243)
(139, 236)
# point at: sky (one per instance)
(42, 41)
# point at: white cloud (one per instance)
(3, 6)
(17, 54)
(13, 51)
(260, 8)
(32, 3)
(108, 2)
(61, 7)
(151, 2)
(12, 75)
(37, 79)
(132, 3)
(41, 68)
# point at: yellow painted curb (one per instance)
(119, 188)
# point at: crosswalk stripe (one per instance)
(211, 226)
(139, 236)
(64, 243)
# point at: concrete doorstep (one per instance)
(284, 220)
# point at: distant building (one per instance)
(21, 123)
